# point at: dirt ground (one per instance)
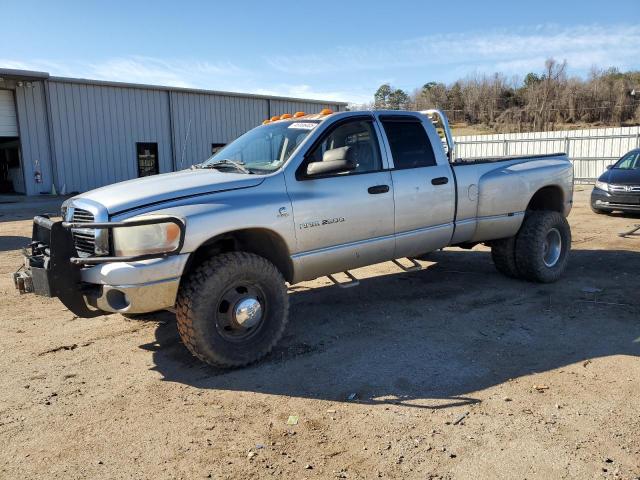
(450, 372)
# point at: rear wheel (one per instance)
(232, 309)
(542, 246)
(503, 253)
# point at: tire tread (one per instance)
(195, 284)
(535, 226)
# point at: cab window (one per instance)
(361, 137)
(410, 145)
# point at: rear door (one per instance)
(423, 185)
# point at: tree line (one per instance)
(545, 100)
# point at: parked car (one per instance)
(300, 197)
(618, 188)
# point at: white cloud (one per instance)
(512, 50)
(137, 69)
(307, 91)
(183, 73)
(180, 73)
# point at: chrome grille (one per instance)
(84, 239)
(624, 188)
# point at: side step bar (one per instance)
(354, 282)
(630, 232)
(415, 266)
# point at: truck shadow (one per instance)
(431, 338)
(13, 242)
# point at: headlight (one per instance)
(162, 237)
(602, 185)
(64, 208)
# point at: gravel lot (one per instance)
(457, 372)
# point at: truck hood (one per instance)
(169, 186)
(621, 177)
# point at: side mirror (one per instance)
(609, 167)
(333, 161)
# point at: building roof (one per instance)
(28, 75)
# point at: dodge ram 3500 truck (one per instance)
(299, 197)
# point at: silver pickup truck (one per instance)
(299, 197)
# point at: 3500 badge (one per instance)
(318, 223)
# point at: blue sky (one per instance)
(338, 50)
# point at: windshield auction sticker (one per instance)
(303, 125)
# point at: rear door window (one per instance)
(410, 145)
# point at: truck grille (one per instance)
(84, 239)
(624, 188)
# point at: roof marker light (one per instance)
(299, 114)
(274, 118)
(326, 111)
(285, 115)
(266, 121)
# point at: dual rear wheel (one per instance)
(540, 250)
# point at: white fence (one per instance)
(590, 150)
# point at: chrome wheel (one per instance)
(241, 311)
(552, 248)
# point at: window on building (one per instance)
(216, 147)
(147, 154)
(410, 146)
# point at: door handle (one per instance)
(440, 181)
(378, 189)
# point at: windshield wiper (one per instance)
(227, 163)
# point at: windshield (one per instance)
(631, 161)
(264, 149)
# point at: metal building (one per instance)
(72, 135)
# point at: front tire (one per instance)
(232, 309)
(542, 246)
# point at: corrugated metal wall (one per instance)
(278, 107)
(95, 130)
(590, 150)
(200, 120)
(34, 137)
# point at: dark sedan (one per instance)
(619, 187)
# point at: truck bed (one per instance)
(476, 161)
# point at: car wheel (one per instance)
(503, 253)
(232, 309)
(542, 246)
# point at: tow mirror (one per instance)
(335, 160)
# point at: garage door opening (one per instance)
(11, 178)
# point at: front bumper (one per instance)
(125, 287)
(602, 200)
(136, 298)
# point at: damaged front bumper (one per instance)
(92, 286)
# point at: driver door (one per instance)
(343, 220)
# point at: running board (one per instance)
(354, 282)
(630, 232)
(413, 268)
